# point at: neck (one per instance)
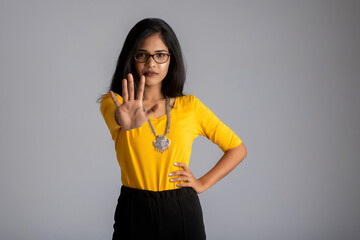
(153, 93)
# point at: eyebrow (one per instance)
(143, 50)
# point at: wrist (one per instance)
(203, 184)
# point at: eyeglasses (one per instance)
(160, 58)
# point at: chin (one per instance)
(152, 83)
(152, 80)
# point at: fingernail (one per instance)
(177, 185)
(170, 174)
(176, 164)
(171, 180)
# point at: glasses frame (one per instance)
(153, 56)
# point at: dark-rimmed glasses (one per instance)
(160, 58)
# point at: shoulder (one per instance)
(107, 98)
(190, 103)
(106, 102)
(187, 100)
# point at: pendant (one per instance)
(161, 144)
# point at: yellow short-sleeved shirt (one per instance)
(144, 168)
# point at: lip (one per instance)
(150, 73)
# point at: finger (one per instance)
(182, 165)
(178, 173)
(152, 110)
(131, 86)
(125, 91)
(112, 94)
(184, 184)
(179, 179)
(140, 90)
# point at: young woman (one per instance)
(153, 125)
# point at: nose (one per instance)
(150, 61)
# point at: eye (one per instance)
(160, 55)
(141, 55)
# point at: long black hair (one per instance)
(173, 83)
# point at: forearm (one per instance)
(225, 165)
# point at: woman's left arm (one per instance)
(226, 164)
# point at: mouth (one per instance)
(150, 73)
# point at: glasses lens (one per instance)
(141, 57)
(161, 57)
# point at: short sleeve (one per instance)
(107, 109)
(211, 127)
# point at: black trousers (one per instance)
(171, 215)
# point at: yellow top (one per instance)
(144, 168)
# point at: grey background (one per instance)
(284, 75)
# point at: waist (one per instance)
(166, 194)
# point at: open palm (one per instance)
(130, 113)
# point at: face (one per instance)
(154, 72)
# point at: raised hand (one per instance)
(130, 113)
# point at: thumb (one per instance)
(152, 110)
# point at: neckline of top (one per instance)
(171, 110)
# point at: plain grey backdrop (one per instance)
(284, 75)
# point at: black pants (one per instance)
(171, 215)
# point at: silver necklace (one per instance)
(162, 144)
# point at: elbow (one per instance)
(239, 152)
(243, 151)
